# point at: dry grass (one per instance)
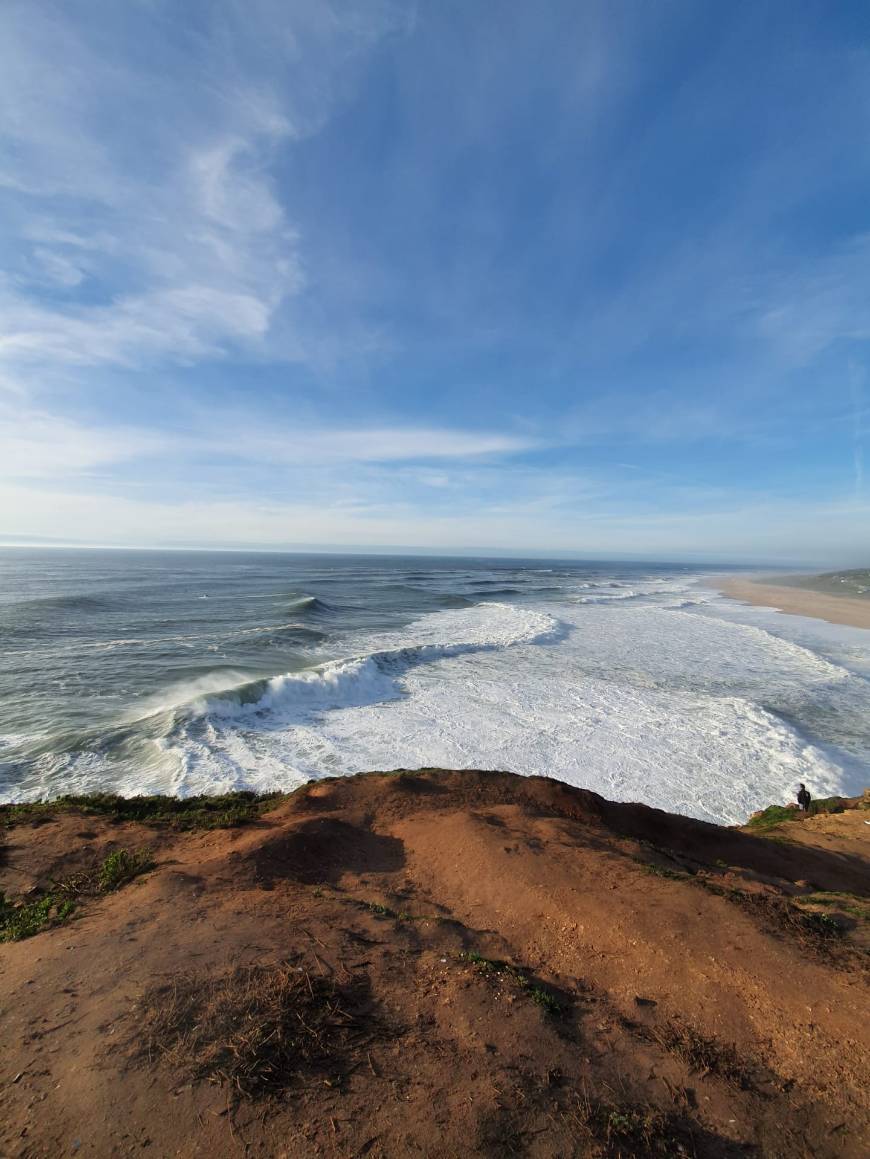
(261, 1028)
(701, 1054)
(817, 933)
(619, 1130)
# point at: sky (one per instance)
(568, 278)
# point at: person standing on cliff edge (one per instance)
(803, 799)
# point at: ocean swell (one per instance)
(375, 676)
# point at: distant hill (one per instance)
(855, 582)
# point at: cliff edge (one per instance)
(430, 963)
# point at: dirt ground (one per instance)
(442, 964)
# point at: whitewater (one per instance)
(188, 673)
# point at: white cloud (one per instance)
(375, 445)
(229, 191)
(182, 322)
(39, 444)
(153, 180)
(36, 445)
(56, 268)
(819, 302)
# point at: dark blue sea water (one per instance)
(186, 672)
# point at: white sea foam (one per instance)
(653, 690)
(635, 702)
(376, 675)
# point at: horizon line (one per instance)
(397, 551)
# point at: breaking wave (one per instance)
(376, 676)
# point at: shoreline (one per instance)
(795, 601)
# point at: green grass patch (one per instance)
(122, 866)
(849, 903)
(25, 919)
(772, 816)
(775, 815)
(547, 1001)
(220, 811)
(379, 910)
(29, 918)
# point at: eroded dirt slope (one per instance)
(441, 964)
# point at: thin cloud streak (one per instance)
(40, 444)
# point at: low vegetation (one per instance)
(29, 918)
(819, 932)
(633, 1130)
(384, 911)
(122, 866)
(24, 919)
(261, 1029)
(775, 815)
(219, 811)
(701, 1054)
(540, 994)
(847, 903)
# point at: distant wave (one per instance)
(77, 603)
(269, 631)
(311, 605)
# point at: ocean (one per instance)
(190, 672)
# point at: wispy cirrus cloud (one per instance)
(38, 444)
(145, 183)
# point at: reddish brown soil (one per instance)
(695, 1016)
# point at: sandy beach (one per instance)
(797, 601)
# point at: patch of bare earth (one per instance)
(441, 964)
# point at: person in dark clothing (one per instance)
(803, 799)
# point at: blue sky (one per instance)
(571, 278)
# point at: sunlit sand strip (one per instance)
(797, 601)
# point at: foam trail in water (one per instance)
(637, 704)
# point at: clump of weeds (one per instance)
(24, 919)
(30, 917)
(519, 977)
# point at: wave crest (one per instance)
(375, 676)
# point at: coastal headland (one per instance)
(798, 599)
(431, 963)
